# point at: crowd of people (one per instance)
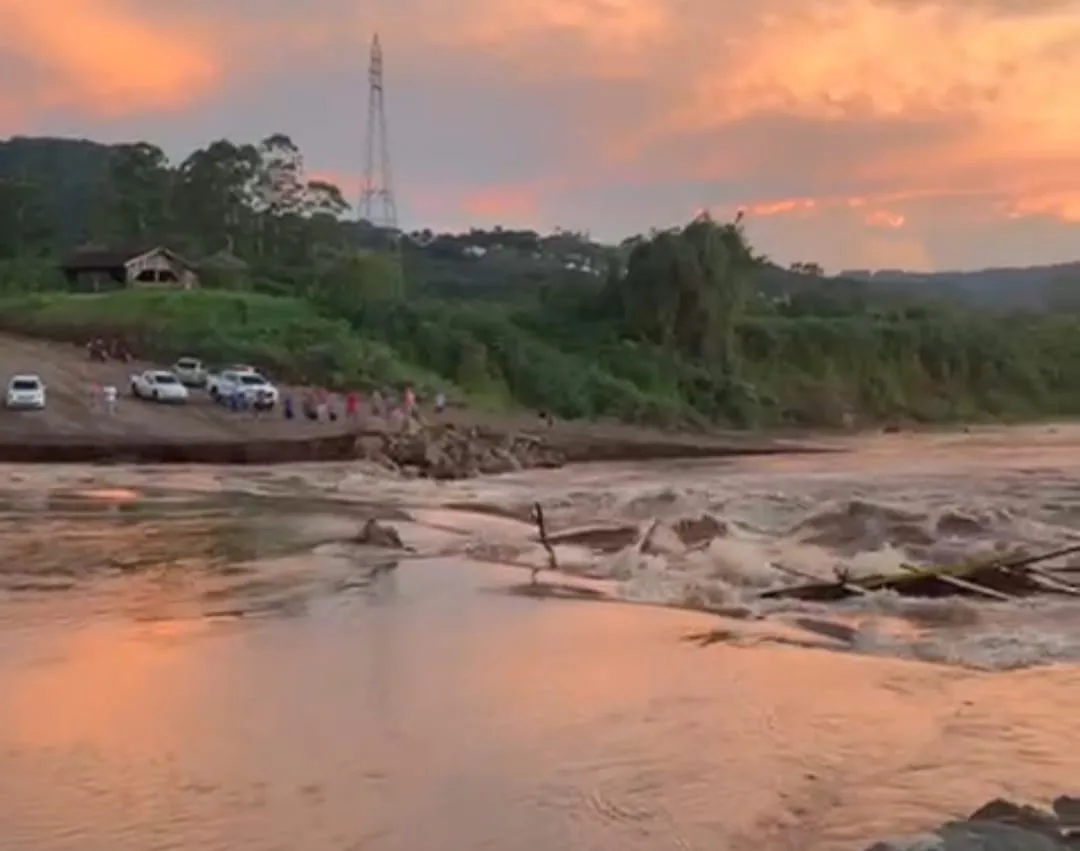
(319, 404)
(102, 350)
(311, 404)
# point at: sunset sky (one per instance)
(895, 133)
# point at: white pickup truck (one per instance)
(158, 385)
(190, 371)
(250, 387)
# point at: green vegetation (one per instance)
(286, 336)
(687, 325)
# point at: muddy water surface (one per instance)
(201, 659)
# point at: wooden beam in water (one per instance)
(957, 582)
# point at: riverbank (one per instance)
(458, 443)
(436, 450)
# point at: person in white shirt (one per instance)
(109, 394)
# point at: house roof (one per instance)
(91, 259)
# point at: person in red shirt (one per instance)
(352, 404)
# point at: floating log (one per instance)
(1000, 581)
(819, 591)
(962, 585)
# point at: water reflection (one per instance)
(109, 683)
(442, 717)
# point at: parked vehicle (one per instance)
(226, 375)
(250, 388)
(26, 392)
(158, 385)
(190, 371)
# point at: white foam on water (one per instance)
(708, 541)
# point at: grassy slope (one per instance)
(806, 371)
(283, 335)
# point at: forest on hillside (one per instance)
(683, 325)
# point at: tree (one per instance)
(25, 228)
(351, 283)
(280, 200)
(686, 289)
(214, 195)
(812, 270)
(140, 184)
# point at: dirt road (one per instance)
(70, 376)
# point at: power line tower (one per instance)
(377, 203)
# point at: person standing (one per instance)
(109, 395)
(440, 402)
(311, 410)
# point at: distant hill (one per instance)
(499, 263)
(1020, 288)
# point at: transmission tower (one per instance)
(377, 203)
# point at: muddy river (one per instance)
(205, 659)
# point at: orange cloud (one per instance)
(884, 219)
(1064, 206)
(505, 202)
(606, 38)
(876, 115)
(998, 88)
(494, 204)
(781, 208)
(98, 58)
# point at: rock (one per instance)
(1000, 825)
(1006, 812)
(376, 534)
(925, 842)
(444, 452)
(1067, 809)
(995, 836)
(699, 532)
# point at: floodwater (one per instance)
(202, 659)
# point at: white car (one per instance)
(26, 392)
(190, 371)
(252, 388)
(160, 385)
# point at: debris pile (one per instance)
(1001, 579)
(446, 452)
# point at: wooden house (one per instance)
(96, 270)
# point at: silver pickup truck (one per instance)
(190, 371)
